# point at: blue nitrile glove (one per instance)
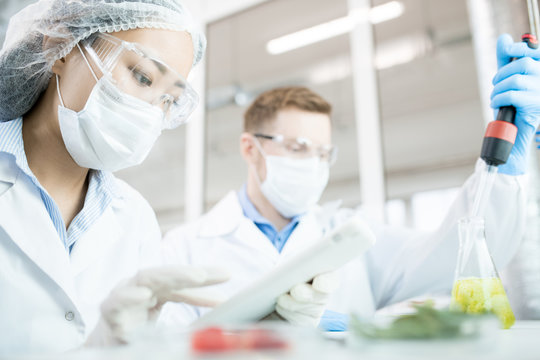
(334, 321)
(517, 83)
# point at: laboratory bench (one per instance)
(522, 341)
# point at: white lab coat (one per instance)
(402, 264)
(49, 298)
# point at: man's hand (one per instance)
(305, 303)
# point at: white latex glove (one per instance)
(305, 303)
(137, 301)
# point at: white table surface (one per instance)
(522, 341)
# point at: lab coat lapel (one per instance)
(312, 226)
(223, 219)
(227, 220)
(27, 223)
(96, 242)
(307, 232)
(250, 235)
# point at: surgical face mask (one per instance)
(293, 186)
(113, 131)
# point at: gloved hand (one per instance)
(517, 83)
(305, 303)
(137, 301)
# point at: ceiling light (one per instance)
(385, 12)
(330, 29)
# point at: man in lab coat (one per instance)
(286, 145)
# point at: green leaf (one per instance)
(426, 323)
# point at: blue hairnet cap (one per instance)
(26, 59)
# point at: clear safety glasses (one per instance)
(137, 73)
(302, 147)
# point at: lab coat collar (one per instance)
(107, 182)
(227, 216)
(306, 233)
(224, 218)
(252, 237)
(312, 226)
(227, 220)
(86, 250)
(8, 168)
(25, 221)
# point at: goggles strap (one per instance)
(87, 63)
(259, 146)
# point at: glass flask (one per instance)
(477, 286)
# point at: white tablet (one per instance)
(334, 250)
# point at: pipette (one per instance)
(501, 133)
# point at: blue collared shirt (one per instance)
(277, 238)
(101, 188)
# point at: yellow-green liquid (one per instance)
(477, 296)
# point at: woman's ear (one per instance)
(59, 64)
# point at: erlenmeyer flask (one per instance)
(477, 285)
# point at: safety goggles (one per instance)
(137, 73)
(301, 147)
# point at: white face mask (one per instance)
(293, 186)
(113, 131)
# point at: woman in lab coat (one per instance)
(86, 88)
(402, 264)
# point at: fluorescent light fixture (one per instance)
(389, 53)
(310, 35)
(330, 29)
(385, 12)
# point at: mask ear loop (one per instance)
(58, 82)
(259, 147)
(58, 91)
